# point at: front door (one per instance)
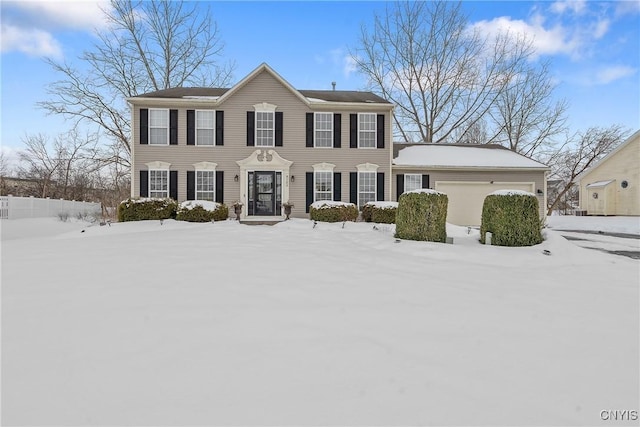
(265, 193)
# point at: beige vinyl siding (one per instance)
(263, 88)
(479, 176)
(624, 165)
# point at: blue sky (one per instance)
(593, 46)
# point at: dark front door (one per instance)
(265, 189)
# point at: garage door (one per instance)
(466, 198)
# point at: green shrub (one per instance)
(512, 217)
(422, 215)
(380, 212)
(328, 211)
(202, 211)
(143, 209)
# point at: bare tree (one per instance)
(60, 168)
(580, 152)
(442, 75)
(148, 46)
(525, 117)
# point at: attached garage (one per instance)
(467, 173)
(466, 198)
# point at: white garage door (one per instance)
(466, 198)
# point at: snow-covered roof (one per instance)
(599, 184)
(462, 156)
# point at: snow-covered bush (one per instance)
(512, 217)
(380, 212)
(422, 215)
(202, 211)
(149, 208)
(329, 211)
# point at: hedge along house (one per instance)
(262, 143)
(467, 174)
(612, 186)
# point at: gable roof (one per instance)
(635, 136)
(307, 96)
(461, 156)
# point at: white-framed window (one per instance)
(412, 181)
(158, 126)
(323, 130)
(366, 188)
(366, 130)
(265, 128)
(206, 185)
(323, 185)
(205, 127)
(158, 183)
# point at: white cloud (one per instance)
(546, 41)
(349, 66)
(575, 6)
(85, 15)
(600, 28)
(627, 7)
(616, 72)
(32, 41)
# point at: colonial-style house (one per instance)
(262, 143)
(612, 186)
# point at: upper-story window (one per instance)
(265, 128)
(323, 129)
(158, 127)
(366, 130)
(205, 127)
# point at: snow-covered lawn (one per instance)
(209, 324)
(609, 224)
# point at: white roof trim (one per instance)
(600, 184)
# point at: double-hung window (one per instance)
(265, 128)
(205, 127)
(323, 185)
(323, 129)
(412, 181)
(206, 185)
(159, 183)
(158, 127)
(366, 188)
(366, 130)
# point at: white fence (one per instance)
(31, 207)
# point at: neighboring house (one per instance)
(262, 143)
(466, 173)
(612, 186)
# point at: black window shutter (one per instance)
(353, 187)
(173, 127)
(278, 128)
(144, 126)
(144, 183)
(380, 187)
(337, 186)
(337, 130)
(309, 129)
(220, 186)
(353, 131)
(309, 188)
(251, 118)
(191, 128)
(191, 185)
(425, 181)
(173, 185)
(380, 131)
(399, 186)
(220, 128)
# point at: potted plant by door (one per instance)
(237, 208)
(287, 209)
